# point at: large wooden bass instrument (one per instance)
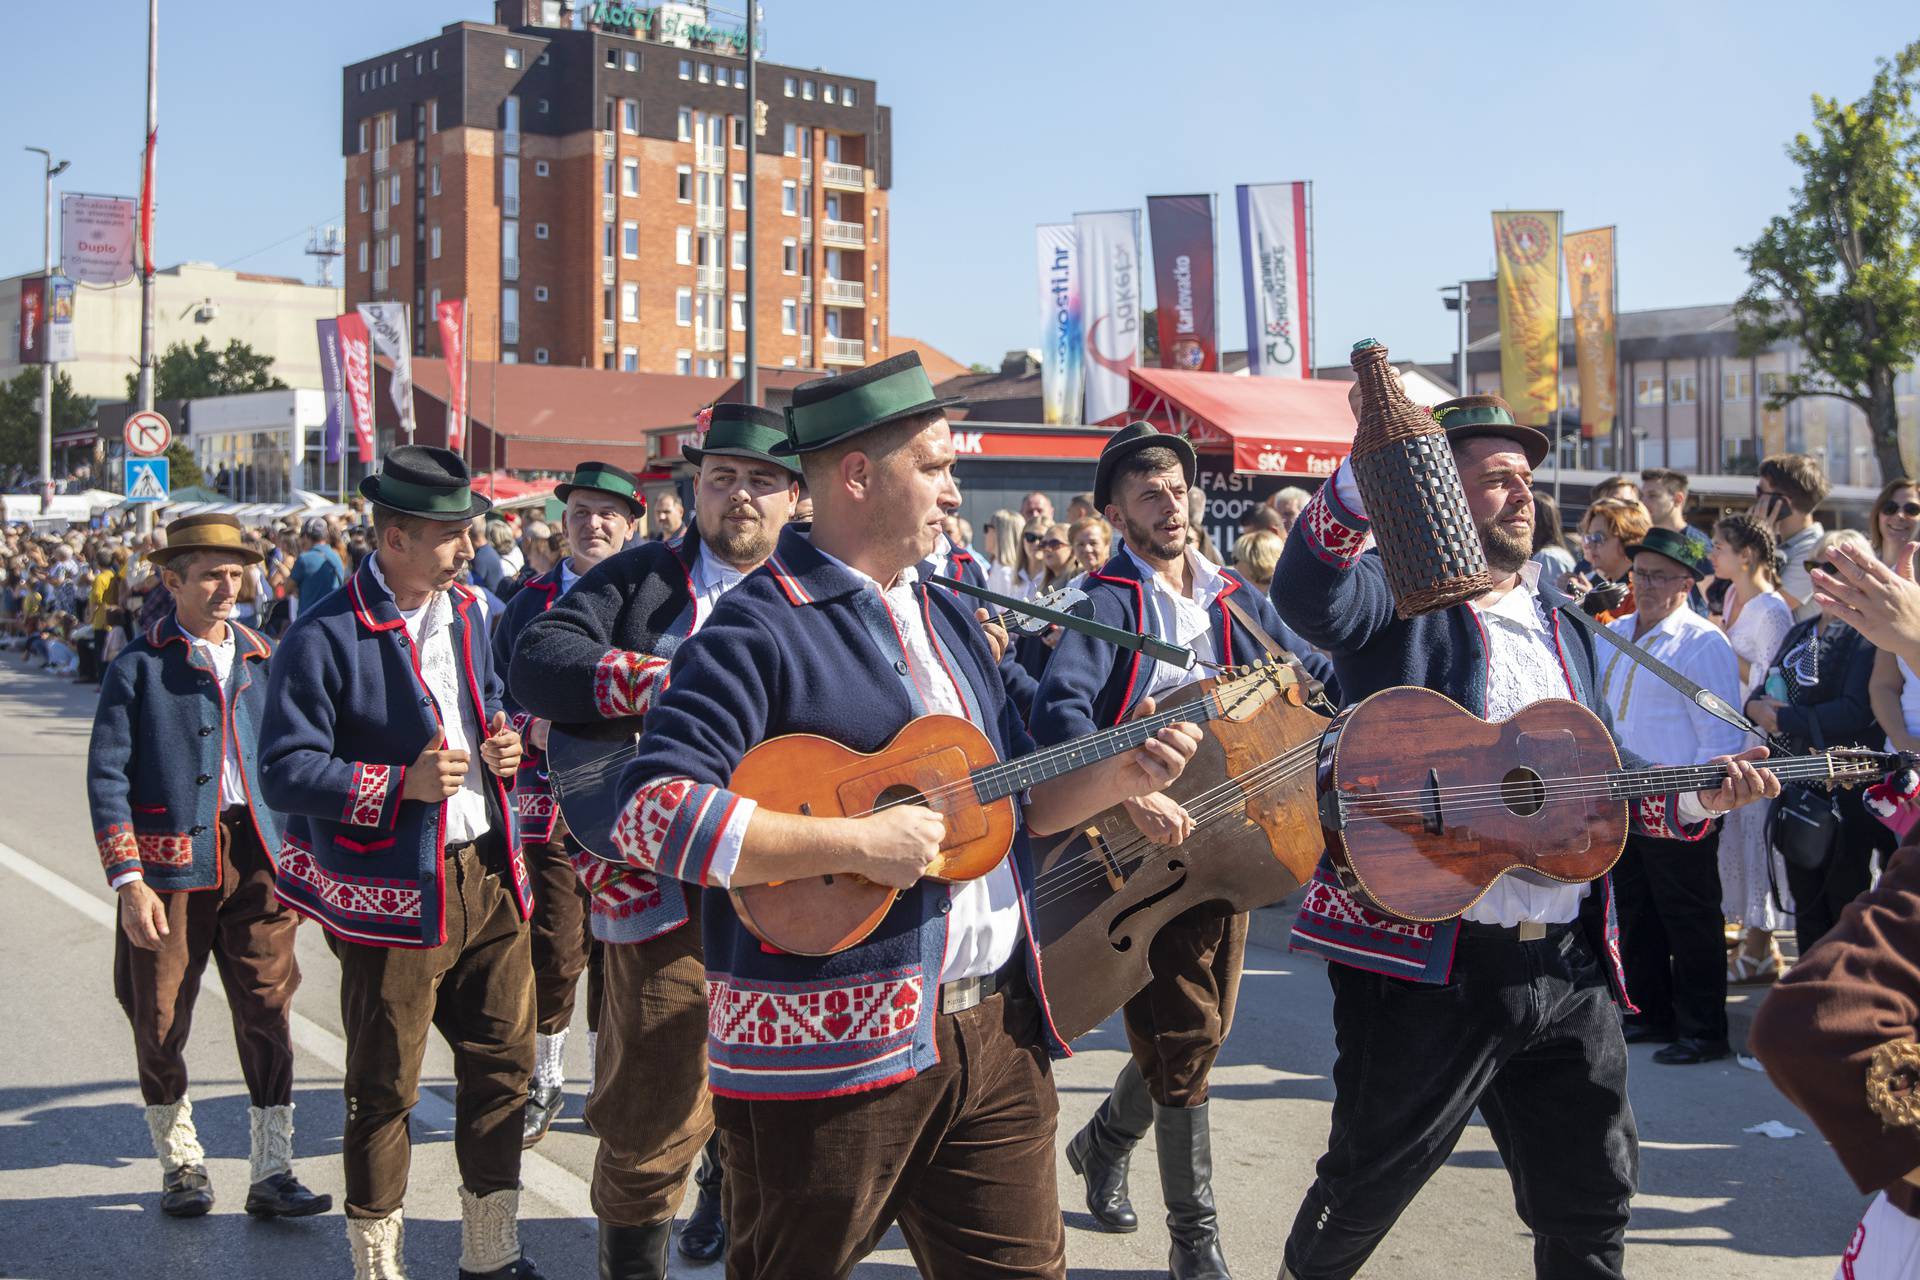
(1425, 805)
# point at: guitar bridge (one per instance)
(1097, 845)
(1430, 806)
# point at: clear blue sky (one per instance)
(1413, 120)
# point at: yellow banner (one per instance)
(1528, 245)
(1595, 351)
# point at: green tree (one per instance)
(20, 416)
(191, 372)
(1150, 337)
(1839, 272)
(182, 470)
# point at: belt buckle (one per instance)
(1530, 930)
(964, 993)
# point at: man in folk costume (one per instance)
(1157, 585)
(173, 785)
(386, 744)
(601, 653)
(1509, 1008)
(603, 509)
(905, 1077)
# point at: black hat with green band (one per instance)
(1677, 547)
(826, 411)
(1471, 416)
(425, 481)
(742, 431)
(604, 477)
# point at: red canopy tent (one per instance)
(1269, 426)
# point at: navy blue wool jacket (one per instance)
(1338, 598)
(160, 733)
(805, 646)
(347, 714)
(1090, 684)
(600, 653)
(533, 801)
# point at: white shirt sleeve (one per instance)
(1348, 490)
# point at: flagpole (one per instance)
(1219, 357)
(493, 407)
(1559, 260)
(1313, 306)
(466, 382)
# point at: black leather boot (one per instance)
(634, 1253)
(282, 1196)
(543, 1108)
(704, 1238)
(1099, 1152)
(1186, 1178)
(187, 1192)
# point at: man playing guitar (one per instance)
(1508, 1008)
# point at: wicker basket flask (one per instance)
(1404, 466)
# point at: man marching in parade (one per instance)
(402, 844)
(603, 508)
(600, 653)
(173, 784)
(1160, 586)
(1509, 1008)
(904, 1077)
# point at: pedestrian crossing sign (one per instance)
(147, 479)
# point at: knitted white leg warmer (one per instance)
(489, 1230)
(174, 1139)
(376, 1245)
(272, 1141)
(547, 1069)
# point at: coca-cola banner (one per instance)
(1182, 228)
(357, 358)
(452, 315)
(1109, 263)
(1274, 249)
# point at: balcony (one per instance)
(606, 269)
(806, 353)
(842, 177)
(380, 216)
(510, 205)
(711, 277)
(509, 268)
(606, 333)
(843, 351)
(707, 157)
(607, 145)
(510, 332)
(806, 229)
(509, 142)
(380, 160)
(711, 218)
(806, 289)
(846, 235)
(705, 339)
(843, 293)
(606, 208)
(380, 278)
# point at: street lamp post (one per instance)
(53, 171)
(1457, 301)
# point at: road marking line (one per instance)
(547, 1179)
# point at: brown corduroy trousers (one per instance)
(1177, 1024)
(560, 938)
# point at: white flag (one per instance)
(1110, 292)
(1273, 262)
(387, 324)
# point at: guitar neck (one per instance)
(1633, 784)
(999, 780)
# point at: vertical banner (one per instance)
(1063, 362)
(356, 357)
(333, 387)
(33, 320)
(1590, 286)
(60, 345)
(96, 238)
(387, 322)
(1182, 228)
(1110, 285)
(1527, 246)
(1273, 265)
(453, 345)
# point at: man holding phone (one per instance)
(1791, 485)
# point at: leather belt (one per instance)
(964, 993)
(1525, 931)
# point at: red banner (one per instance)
(33, 320)
(453, 345)
(357, 356)
(1182, 228)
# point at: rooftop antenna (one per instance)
(324, 244)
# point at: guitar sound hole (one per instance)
(899, 793)
(1523, 792)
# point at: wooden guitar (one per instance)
(948, 765)
(1101, 893)
(1425, 805)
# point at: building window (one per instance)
(613, 58)
(739, 77)
(1736, 386)
(826, 94)
(876, 335)
(393, 250)
(363, 197)
(806, 90)
(705, 73)
(363, 82)
(876, 226)
(789, 316)
(540, 293)
(683, 246)
(684, 131)
(630, 240)
(633, 61)
(433, 179)
(737, 309)
(686, 68)
(363, 255)
(790, 257)
(606, 178)
(629, 115)
(435, 299)
(739, 190)
(513, 58)
(789, 140)
(433, 244)
(629, 360)
(1683, 390)
(630, 177)
(683, 306)
(683, 363)
(539, 355)
(541, 168)
(739, 251)
(739, 133)
(433, 116)
(1649, 391)
(545, 57)
(683, 184)
(789, 86)
(629, 302)
(539, 231)
(363, 137)
(542, 107)
(847, 97)
(434, 62)
(510, 314)
(790, 198)
(395, 184)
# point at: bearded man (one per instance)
(1509, 1008)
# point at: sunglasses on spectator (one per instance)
(1911, 510)
(1661, 579)
(1819, 566)
(1594, 539)
(1052, 544)
(1031, 539)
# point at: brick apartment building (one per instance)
(583, 185)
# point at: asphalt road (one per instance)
(78, 1181)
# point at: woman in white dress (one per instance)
(1756, 618)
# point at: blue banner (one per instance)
(332, 386)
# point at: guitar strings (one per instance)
(1800, 767)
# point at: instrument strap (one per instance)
(1707, 700)
(1173, 655)
(1240, 615)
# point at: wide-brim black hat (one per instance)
(426, 481)
(1677, 547)
(1471, 416)
(604, 477)
(826, 411)
(742, 431)
(1130, 440)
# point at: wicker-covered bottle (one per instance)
(1407, 477)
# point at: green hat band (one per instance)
(1485, 415)
(750, 436)
(421, 498)
(859, 406)
(595, 478)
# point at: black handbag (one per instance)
(1803, 825)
